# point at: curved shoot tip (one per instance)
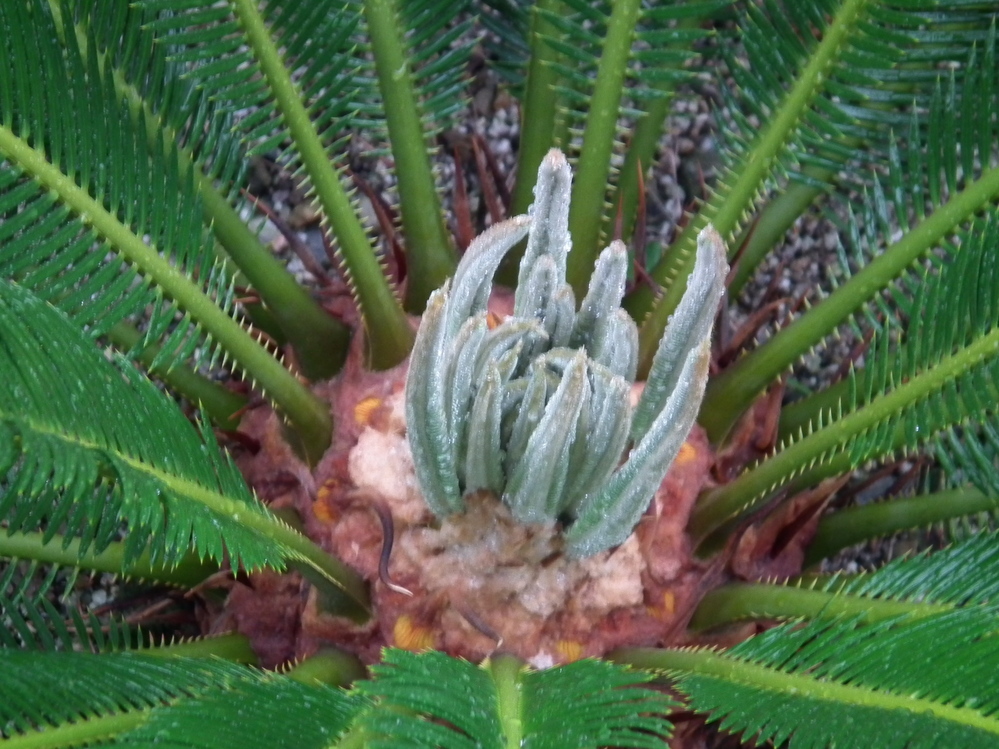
(554, 160)
(711, 250)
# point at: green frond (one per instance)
(824, 94)
(940, 375)
(61, 151)
(889, 63)
(733, 602)
(955, 310)
(969, 453)
(96, 224)
(111, 447)
(220, 404)
(963, 574)
(127, 699)
(889, 66)
(120, 41)
(32, 621)
(927, 192)
(234, 55)
(255, 712)
(590, 702)
(431, 700)
(612, 60)
(437, 43)
(208, 45)
(657, 55)
(508, 25)
(62, 690)
(591, 68)
(900, 684)
(244, 55)
(539, 105)
(860, 675)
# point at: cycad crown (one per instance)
(536, 409)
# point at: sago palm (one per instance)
(526, 468)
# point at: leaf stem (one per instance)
(232, 647)
(590, 185)
(429, 252)
(507, 672)
(856, 524)
(65, 552)
(796, 417)
(328, 666)
(85, 731)
(739, 601)
(389, 334)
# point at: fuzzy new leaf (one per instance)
(536, 410)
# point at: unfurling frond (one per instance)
(431, 700)
(536, 409)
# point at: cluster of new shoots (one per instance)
(537, 408)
